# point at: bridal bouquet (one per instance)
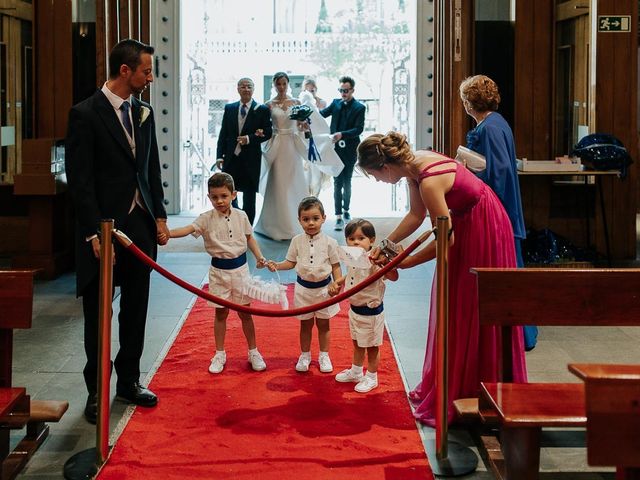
(302, 113)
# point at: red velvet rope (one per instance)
(129, 245)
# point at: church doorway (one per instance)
(372, 41)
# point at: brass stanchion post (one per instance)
(451, 458)
(104, 340)
(87, 463)
(442, 337)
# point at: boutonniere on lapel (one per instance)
(144, 114)
(256, 105)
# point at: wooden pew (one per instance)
(42, 412)
(16, 304)
(16, 300)
(14, 413)
(613, 416)
(545, 297)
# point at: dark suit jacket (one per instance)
(103, 174)
(244, 168)
(355, 126)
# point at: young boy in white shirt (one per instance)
(314, 255)
(227, 234)
(366, 315)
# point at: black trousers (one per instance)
(342, 188)
(133, 277)
(248, 204)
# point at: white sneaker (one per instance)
(257, 362)
(348, 375)
(366, 384)
(303, 363)
(217, 363)
(325, 364)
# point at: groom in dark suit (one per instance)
(245, 125)
(347, 123)
(113, 171)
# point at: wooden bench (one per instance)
(612, 394)
(42, 412)
(16, 303)
(34, 415)
(544, 297)
(14, 413)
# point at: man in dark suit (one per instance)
(113, 171)
(347, 123)
(245, 125)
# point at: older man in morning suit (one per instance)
(245, 125)
(113, 171)
(347, 123)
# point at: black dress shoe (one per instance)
(91, 409)
(137, 394)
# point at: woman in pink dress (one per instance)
(481, 236)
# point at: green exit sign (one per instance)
(617, 23)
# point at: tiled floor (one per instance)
(48, 358)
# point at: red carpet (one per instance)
(277, 424)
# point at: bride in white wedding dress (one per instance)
(286, 182)
(287, 175)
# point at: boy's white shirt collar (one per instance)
(220, 214)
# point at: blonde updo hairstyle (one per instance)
(377, 150)
(481, 92)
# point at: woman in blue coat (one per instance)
(492, 137)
